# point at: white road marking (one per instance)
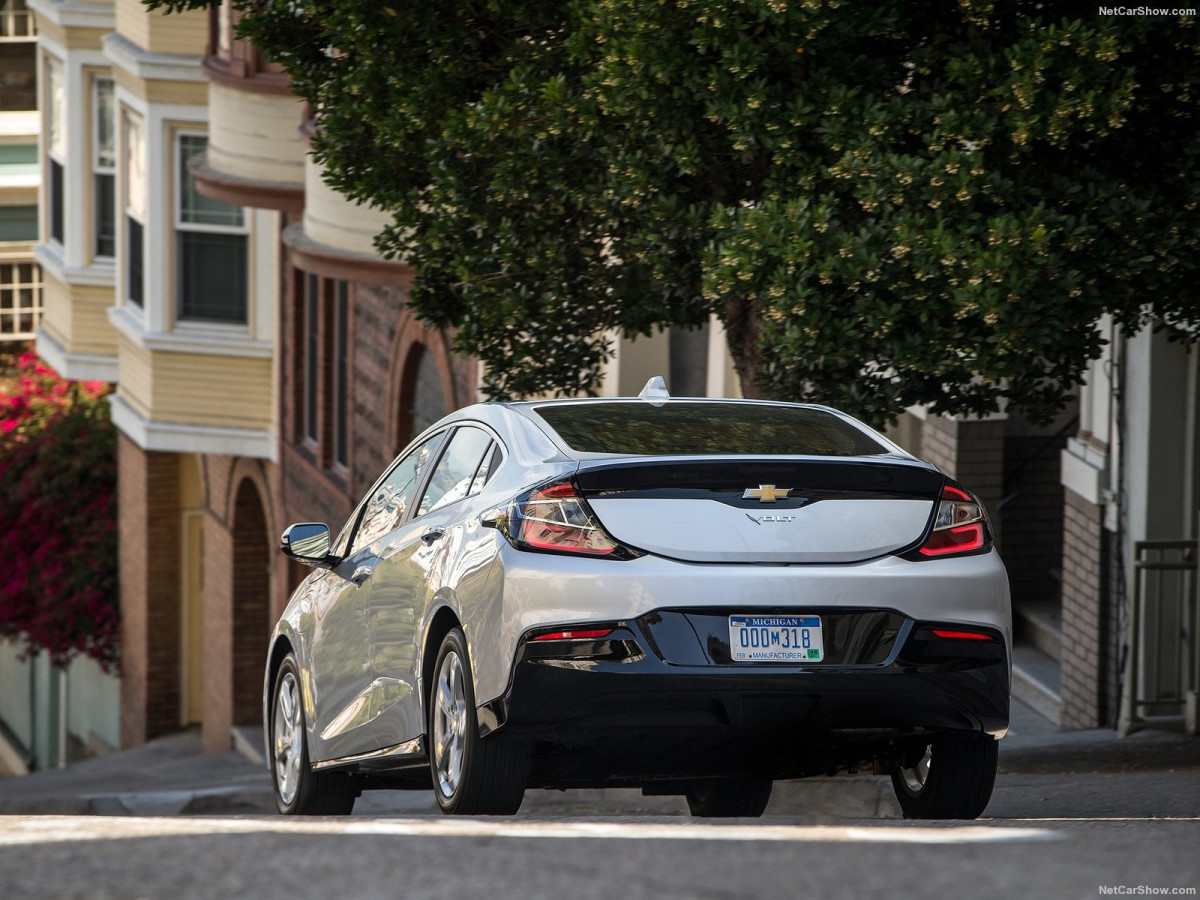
(25, 830)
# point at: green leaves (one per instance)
(887, 204)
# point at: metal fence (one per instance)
(1163, 675)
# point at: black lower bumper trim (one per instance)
(604, 707)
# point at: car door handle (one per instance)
(433, 533)
(361, 574)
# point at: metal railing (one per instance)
(1162, 675)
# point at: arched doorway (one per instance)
(422, 400)
(251, 602)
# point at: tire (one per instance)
(471, 776)
(730, 797)
(299, 791)
(952, 780)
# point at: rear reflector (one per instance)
(963, 635)
(583, 635)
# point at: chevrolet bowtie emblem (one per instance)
(766, 493)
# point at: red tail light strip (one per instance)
(582, 635)
(963, 635)
(954, 540)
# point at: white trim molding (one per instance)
(75, 366)
(191, 337)
(1084, 471)
(176, 438)
(49, 257)
(152, 66)
(66, 14)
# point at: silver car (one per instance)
(691, 597)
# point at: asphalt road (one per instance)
(589, 857)
(1079, 814)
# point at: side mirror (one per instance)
(307, 543)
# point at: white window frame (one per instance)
(126, 118)
(98, 167)
(55, 72)
(179, 228)
(18, 22)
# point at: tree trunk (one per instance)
(741, 335)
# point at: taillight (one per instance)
(960, 525)
(952, 635)
(555, 518)
(585, 634)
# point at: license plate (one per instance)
(776, 639)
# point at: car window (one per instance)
(393, 496)
(452, 478)
(683, 428)
(491, 462)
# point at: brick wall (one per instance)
(149, 571)
(381, 330)
(218, 634)
(251, 589)
(1089, 638)
(973, 454)
(377, 316)
(244, 590)
(1032, 516)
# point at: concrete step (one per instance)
(1036, 681)
(1039, 623)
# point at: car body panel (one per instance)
(362, 650)
(831, 531)
(971, 590)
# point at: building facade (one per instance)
(20, 276)
(267, 367)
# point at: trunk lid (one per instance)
(763, 511)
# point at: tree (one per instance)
(58, 477)
(910, 201)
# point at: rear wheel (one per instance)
(471, 776)
(299, 791)
(728, 797)
(950, 780)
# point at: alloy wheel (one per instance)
(287, 739)
(449, 725)
(914, 778)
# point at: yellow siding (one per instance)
(19, 196)
(56, 310)
(133, 22)
(199, 389)
(191, 93)
(48, 29)
(133, 376)
(92, 332)
(76, 316)
(158, 32)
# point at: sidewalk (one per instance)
(1043, 772)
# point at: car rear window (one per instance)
(682, 428)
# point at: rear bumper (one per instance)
(634, 708)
